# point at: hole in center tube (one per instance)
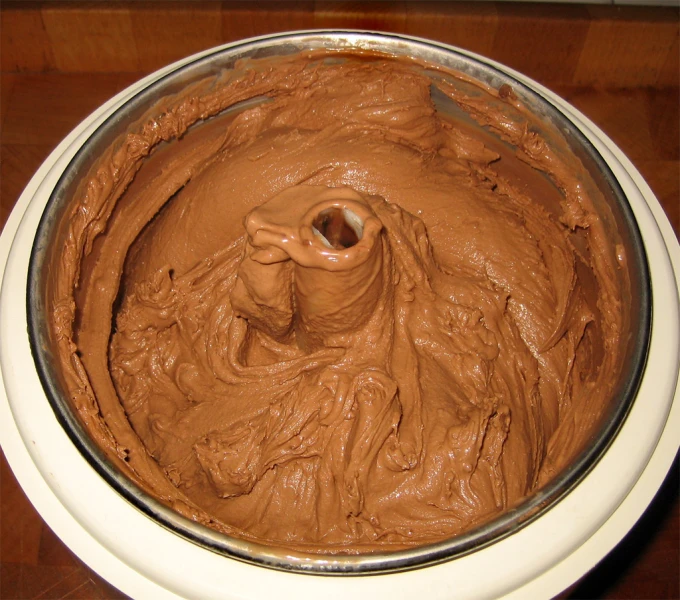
(339, 228)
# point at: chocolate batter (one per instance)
(339, 319)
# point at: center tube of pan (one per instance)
(332, 304)
(338, 227)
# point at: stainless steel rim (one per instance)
(374, 563)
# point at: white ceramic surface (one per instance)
(144, 560)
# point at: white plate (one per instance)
(146, 561)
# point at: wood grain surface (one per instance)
(61, 60)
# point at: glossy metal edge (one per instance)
(471, 541)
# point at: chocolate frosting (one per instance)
(343, 317)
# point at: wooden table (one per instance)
(61, 60)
